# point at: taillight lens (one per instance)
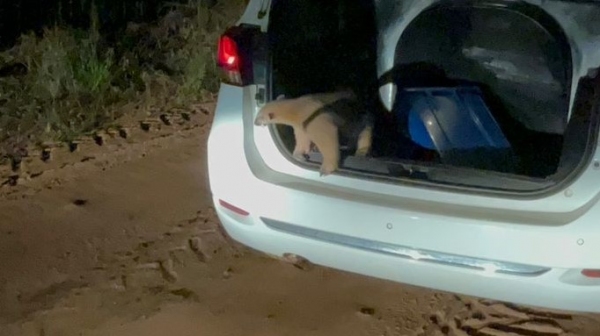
(229, 60)
(228, 55)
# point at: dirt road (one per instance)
(121, 239)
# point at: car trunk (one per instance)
(473, 93)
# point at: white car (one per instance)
(485, 175)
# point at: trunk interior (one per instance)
(481, 88)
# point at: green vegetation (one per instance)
(69, 83)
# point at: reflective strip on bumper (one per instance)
(491, 266)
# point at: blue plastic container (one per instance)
(450, 118)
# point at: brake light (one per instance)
(229, 60)
(229, 56)
(591, 273)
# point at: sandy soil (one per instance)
(121, 239)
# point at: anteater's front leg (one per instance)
(323, 132)
(303, 143)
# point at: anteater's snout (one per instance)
(264, 118)
(260, 120)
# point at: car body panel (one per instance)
(239, 176)
(547, 291)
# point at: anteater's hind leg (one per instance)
(365, 139)
(323, 132)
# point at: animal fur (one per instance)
(322, 119)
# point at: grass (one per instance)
(70, 83)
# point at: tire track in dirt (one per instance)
(64, 168)
(148, 267)
(482, 317)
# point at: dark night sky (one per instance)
(19, 16)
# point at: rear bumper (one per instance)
(546, 290)
(233, 168)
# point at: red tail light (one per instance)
(229, 60)
(228, 55)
